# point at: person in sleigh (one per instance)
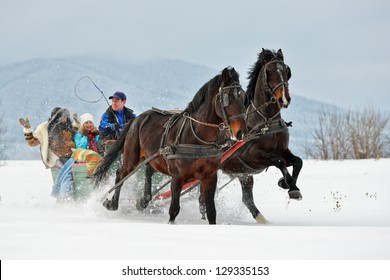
(86, 140)
(55, 139)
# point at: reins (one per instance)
(220, 126)
(133, 172)
(257, 109)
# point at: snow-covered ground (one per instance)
(344, 214)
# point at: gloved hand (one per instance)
(76, 122)
(25, 122)
(27, 129)
(95, 132)
(115, 126)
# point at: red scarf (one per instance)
(92, 142)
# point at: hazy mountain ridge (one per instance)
(34, 87)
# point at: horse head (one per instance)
(276, 75)
(270, 75)
(230, 103)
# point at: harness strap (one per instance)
(169, 123)
(271, 126)
(180, 131)
(190, 151)
(247, 166)
(197, 137)
(134, 171)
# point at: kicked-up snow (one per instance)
(344, 214)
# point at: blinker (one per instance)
(225, 100)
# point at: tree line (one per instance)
(350, 134)
(2, 131)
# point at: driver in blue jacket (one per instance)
(114, 119)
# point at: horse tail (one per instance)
(111, 155)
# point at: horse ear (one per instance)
(225, 74)
(288, 72)
(280, 53)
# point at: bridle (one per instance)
(280, 66)
(270, 91)
(224, 96)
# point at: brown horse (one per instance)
(187, 146)
(267, 93)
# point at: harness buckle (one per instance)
(167, 150)
(264, 129)
(222, 126)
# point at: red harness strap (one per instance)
(231, 150)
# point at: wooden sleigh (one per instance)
(82, 183)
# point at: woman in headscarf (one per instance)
(55, 139)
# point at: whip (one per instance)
(90, 101)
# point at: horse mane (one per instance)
(264, 57)
(208, 87)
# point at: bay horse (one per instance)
(267, 93)
(186, 146)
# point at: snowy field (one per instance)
(344, 215)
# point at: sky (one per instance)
(338, 51)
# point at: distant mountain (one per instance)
(33, 88)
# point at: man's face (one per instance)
(118, 104)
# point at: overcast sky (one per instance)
(339, 51)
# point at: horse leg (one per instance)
(128, 165)
(143, 202)
(296, 163)
(202, 204)
(247, 197)
(208, 188)
(294, 192)
(174, 207)
(113, 204)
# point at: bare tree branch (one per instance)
(355, 134)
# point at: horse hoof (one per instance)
(295, 194)
(141, 205)
(109, 206)
(282, 183)
(261, 220)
